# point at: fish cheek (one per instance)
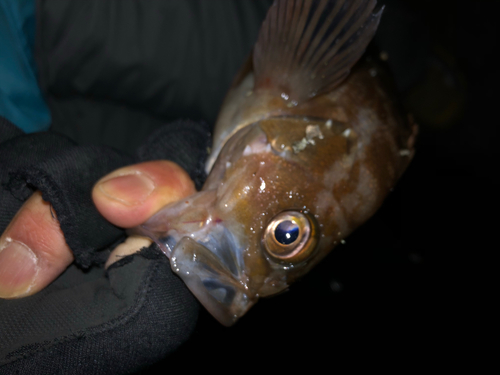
(270, 196)
(241, 202)
(260, 187)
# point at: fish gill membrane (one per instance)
(305, 151)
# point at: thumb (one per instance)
(129, 196)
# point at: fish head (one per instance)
(265, 216)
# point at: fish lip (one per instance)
(218, 289)
(214, 273)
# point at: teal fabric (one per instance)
(21, 100)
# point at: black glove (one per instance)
(90, 320)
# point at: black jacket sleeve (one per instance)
(134, 65)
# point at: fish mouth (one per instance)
(205, 254)
(215, 280)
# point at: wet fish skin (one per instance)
(367, 143)
(328, 152)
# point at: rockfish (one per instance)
(306, 148)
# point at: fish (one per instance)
(308, 143)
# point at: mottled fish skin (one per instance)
(342, 179)
(328, 154)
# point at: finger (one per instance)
(131, 245)
(129, 196)
(33, 251)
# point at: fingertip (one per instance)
(131, 245)
(33, 251)
(129, 196)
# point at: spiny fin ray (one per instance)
(308, 47)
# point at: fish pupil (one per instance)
(286, 232)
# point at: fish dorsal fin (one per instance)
(307, 47)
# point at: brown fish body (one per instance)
(303, 154)
(366, 144)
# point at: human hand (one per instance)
(33, 251)
(135, 308)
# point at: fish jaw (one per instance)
(217, 288)
(205, 254)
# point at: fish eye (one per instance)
(290, 236)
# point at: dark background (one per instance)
(405, 285)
